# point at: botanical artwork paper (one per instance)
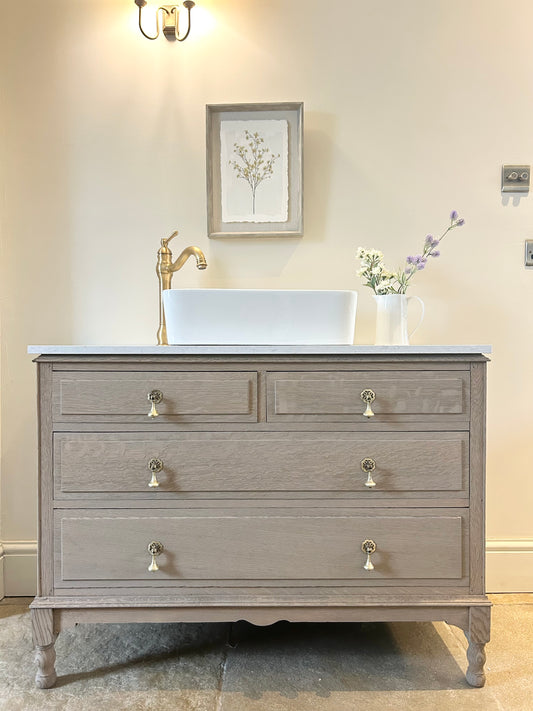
(254, 170)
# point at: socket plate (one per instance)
(528, 257)
(515, 178)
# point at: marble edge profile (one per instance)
(258, 350)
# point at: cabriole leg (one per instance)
(42, 622)
(478, 635)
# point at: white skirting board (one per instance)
(509, 567)
(18, 568)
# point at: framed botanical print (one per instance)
(255, 170)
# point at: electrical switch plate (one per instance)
(515, 178)
(529, 253)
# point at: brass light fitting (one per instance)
(165, 269)
(169, 15)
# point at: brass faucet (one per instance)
(165, 269)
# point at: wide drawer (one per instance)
(247, 462)
(185, 396)
(110, 548)
(400, 396)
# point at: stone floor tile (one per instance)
(375, 667)
(112, 667)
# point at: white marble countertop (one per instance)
(260, 350)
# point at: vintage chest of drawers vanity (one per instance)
(261, 483)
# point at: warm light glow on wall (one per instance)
(204, 23)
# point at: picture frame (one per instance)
(254, 158)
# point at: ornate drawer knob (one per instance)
(368, 547)
(155, 548)
(155, 466)
(368, 396)
(368, 465)
(155, 397)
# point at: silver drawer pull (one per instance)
(368, 396)
(155, 466)
(155, 548)
(368, 465)
(155, 397)
(368, 547)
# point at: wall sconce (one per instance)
(170, 17)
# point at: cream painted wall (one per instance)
(410, 110)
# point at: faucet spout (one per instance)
(165, 269)
(184, 256)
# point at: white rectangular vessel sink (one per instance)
(259, 317)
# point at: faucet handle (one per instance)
(166, 240)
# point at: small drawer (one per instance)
(110, 548)
(370, 466)
(397, 396)
(179, 396)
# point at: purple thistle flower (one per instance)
(454, 215)
(419, 262)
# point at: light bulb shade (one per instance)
(140, 3)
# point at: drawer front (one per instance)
(111, 548)
(400, 396)
(186, 396)
(92, 463)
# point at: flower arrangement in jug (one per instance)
(383, 281)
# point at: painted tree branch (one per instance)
(255, 162)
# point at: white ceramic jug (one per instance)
(391, 319)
